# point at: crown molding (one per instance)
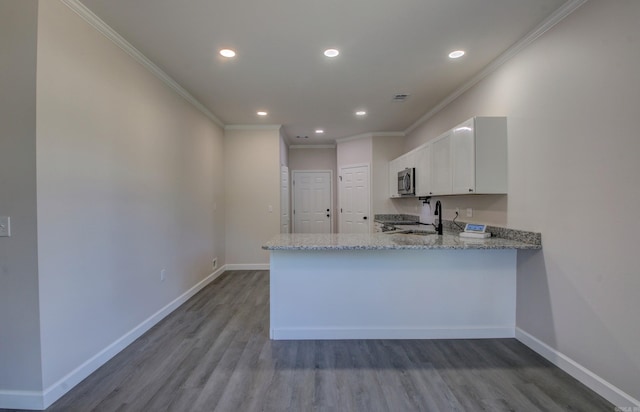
(312, 146)
(356, 137)
(555, 18)
(253, 127)
(388, 134)
(106, 30)
(373, 134)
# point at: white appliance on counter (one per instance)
(475, 231)
(425, 216)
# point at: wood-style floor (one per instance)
(214, 354)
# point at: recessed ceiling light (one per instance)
(456, 54)
(361, 113)
(319, 131)
(262, 113)
(331, 52)
(227, 53)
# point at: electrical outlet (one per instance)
(469, 212)
(215, 263)
(163, 275)
(5, 226)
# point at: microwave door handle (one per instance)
(407, 183)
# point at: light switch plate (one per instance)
(5, 226)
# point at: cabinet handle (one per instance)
(328, 215)
(471, 190)
(365, 218)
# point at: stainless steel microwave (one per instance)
(406, 182)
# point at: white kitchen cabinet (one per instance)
(417, 159)
(463, 157)
(468, 159)
(441, 165)
(407, 160)
(422, 158)
(479, 156)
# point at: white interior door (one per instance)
(354, 199)
(285, 218)
(312, 201)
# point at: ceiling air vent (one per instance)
(400, 97)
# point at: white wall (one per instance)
(354, 151)
(128, 174)
(572, 100)
(19, 316)
(301, 158)
(252, 168)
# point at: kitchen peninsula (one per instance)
(394, 286)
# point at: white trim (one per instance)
(356, 137)
(312, 146)
(594, 382)
(388, 134)
(31, 400)
(555, 18)
(247, 266)
(252, 127)
(103, 28)
(374, 134)
(286, 205)
(55, 391)
(392, 333)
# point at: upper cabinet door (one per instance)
(463, 158)
(491, 155)
(441, 165)
(423, 170)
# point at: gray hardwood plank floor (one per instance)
(214, 354)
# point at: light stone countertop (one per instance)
(381, 241)
(417, 228)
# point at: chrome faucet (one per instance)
(438, 212)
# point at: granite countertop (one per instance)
(396, 219)
(416, 228)
(396, 222)
(381, 241)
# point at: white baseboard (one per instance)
(31, 400)
(391, 333)
(594, 382)
(41, 400)
(247, 266)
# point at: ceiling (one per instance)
(386, 48)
